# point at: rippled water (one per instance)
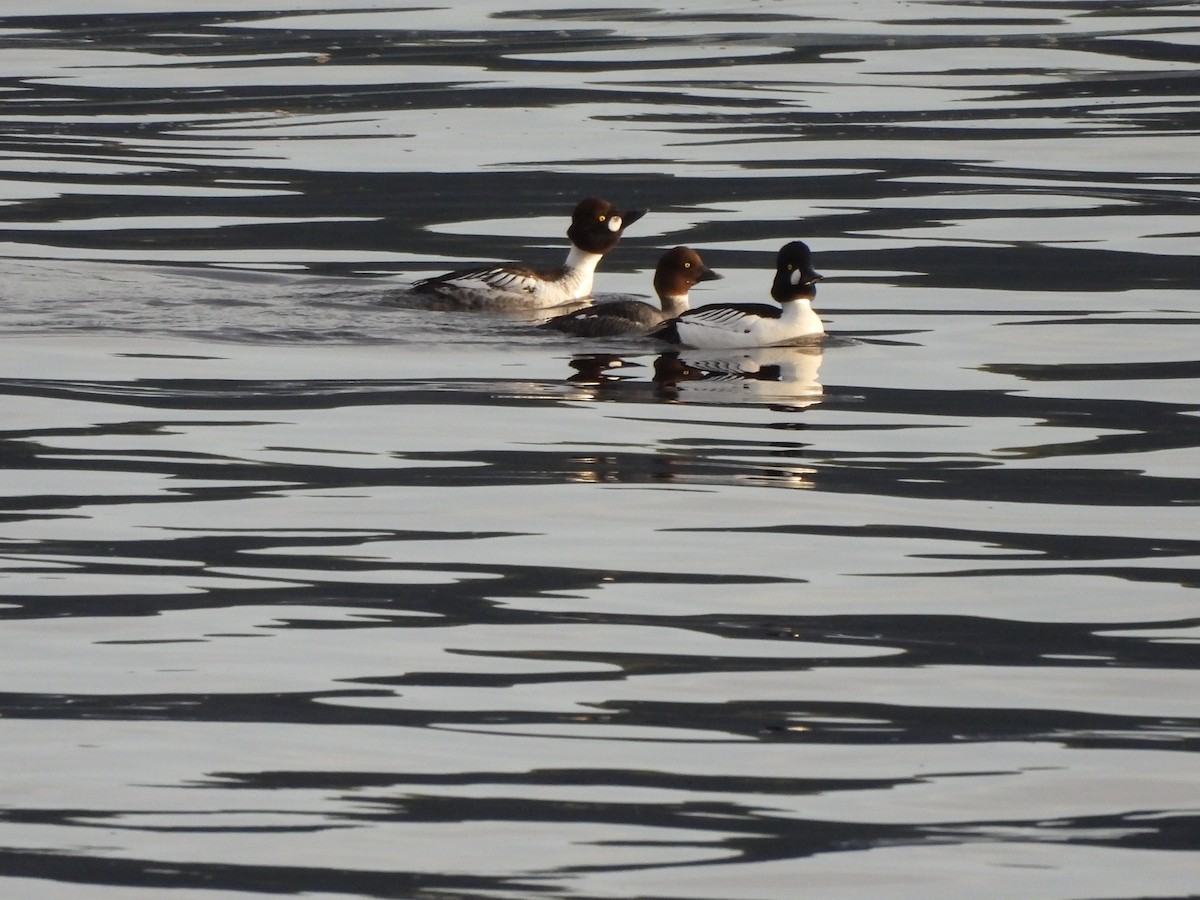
(306, 591)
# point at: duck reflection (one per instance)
(755, 375)
(783, 379)
(599, 368)
(758, 374)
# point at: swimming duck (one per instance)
(596, 228)
(729, 325)
(679, 270)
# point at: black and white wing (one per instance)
(510, 279)
(722, 319)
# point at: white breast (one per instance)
(721, 328)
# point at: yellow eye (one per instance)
(790, 267)
(602, 218)
(687, 265)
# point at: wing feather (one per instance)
(513, 279)
(719, 325)
(609, 319)
(727, 314)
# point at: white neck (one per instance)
(798, 315)
(582, 261)
(581, 268)
(674, 306)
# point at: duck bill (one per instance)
(707, 274)
(631, 216)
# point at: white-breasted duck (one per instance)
(732, 325)
(596, 228)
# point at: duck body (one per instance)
(727, 326)
(596, 228)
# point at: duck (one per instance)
(679, 270)
(735, 325)
(596, 228)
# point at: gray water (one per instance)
(308, 591)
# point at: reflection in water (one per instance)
(207, 534)
(758, 375)
(230, 527)
(305, 591)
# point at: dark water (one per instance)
(306, 591)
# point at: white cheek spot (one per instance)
(614, 224)
(795, 277)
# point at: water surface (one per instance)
(308, 591)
